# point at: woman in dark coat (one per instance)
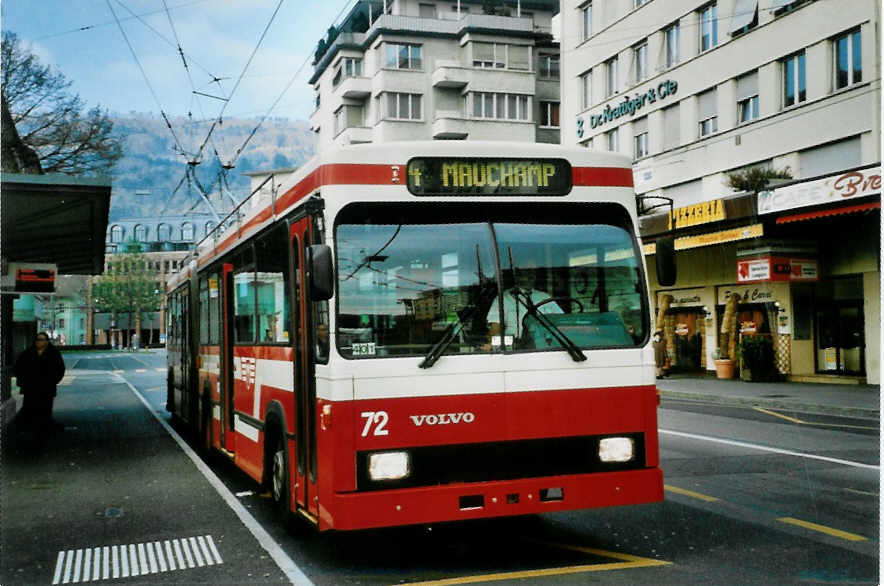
(38, 371)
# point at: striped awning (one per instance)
(831, 212)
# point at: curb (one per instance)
(858, 412)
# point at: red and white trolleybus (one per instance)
(422, 332)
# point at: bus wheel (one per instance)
(279, 476)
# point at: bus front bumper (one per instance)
(479, 500)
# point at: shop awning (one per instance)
(830, 212)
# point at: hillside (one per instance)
(146, 176)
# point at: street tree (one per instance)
(50, 119)
(128, 286)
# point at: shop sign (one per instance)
(629, 106)
(734, 234)
(684, 298)
(830, 357)
(694, 215)
(832, 189)
(774, 268)
(213, 287)
(748, 327)
(783, 324)
(751, 294)
(29, 278)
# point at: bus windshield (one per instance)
(477, 276)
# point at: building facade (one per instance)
(424, 69)
(158, 234)
(758, 122)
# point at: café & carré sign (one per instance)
(629, 106)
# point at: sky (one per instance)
(216, 36)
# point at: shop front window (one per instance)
(840, 333)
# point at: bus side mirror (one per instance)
(665, 257)
(322, 277)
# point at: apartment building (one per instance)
(758, 122)
(420, 70)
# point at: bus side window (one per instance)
(272, 284)
(244, 297)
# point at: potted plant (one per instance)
(757, 360)
(724, 367)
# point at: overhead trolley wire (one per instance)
(146, 80)
(238, 80)
(282, 93)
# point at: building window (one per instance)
(349, 67)
(489, 55)
(671, 34)
(187, 231)
(671, 127)
(519, 57)
(549, 114)
(496, 106)
(587, 20)
(141, 233)
(641, 2)
(707, 113)
(586, 90)
(611, 77)
(402, 56)
(794, 80)
(164, 232)
(403, 106)
(640, 138)
(641, 145)
(613, 139)
(640, 53)
(747, 97)
(708, 27)
(116, 234)
(848, 59)
(779, 7)
(745, 17)
(427, 10)
(548, 66)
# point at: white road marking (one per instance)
(768, 449)
(138, 559)
(244, 493)
(282, 559)
(178, 553)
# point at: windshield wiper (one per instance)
(524, 298)
(487, 287)
(487, 291)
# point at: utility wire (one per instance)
(146, 80)
(239, 79)
(281, 94)
(111, 22)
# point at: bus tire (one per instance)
(279, 478)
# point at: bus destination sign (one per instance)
(470, 176)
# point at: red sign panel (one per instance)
(776, 269)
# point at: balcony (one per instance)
(450, 124)
(354, 135)
(450, 74)
(356, 88)
(467, 22)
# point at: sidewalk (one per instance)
(111, 496)
(827, 399)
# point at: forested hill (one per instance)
(146, 176)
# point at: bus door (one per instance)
(304, 385)
(184, 358)
(227, 436)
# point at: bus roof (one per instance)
(385, 164)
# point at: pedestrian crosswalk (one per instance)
(135, 559)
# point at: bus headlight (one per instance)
(389, 465)
(616, 449)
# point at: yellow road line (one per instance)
(690, 493)
(823, 529)
(792, 419)
(629, 561)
